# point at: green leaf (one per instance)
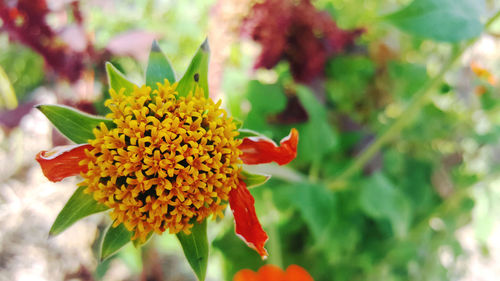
(114, 239)
(8, 97)
(159, 67)
(117, 80)
(317, 137)
(137, 242)
(74, 124)
(197, 72)
(266, 100)
(442, 20)
(253, 180)
(195, 247)
(238, 123)
(316, 205)
(78, 206)
(379, 199)
(235, 256)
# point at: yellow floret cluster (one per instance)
(170, 160)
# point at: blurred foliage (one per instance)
(397, 216)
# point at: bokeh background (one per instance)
(396, 101)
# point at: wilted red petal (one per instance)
(297, 273)
(247, 224)
(62, 161)
(259, 150)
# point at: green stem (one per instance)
(419, 99)
(274, 240)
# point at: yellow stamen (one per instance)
(169, 162)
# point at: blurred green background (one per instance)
(397, 174)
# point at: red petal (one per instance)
(270, 272)
(62, 161)
(248, 227)
(259, 150)
(245, 275)
(297, 273)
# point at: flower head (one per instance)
(168, 161)
(167, 157)
(273, 273)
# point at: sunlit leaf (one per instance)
(443, 20)
(78, 206)
(114, 239)
(8, 97)
(117, 80)
(159, 67)
(197, 72)
(195, 247)
(74, 124)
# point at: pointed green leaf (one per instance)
(117, 80)
(197, 72)
(253, 180)
(195, 246)
(159, 67)
(114, 239)
(78, 206)
(74, 124)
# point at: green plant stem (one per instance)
(419, 99)
(274, 241)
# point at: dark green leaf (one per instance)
(78, 206)
(317, 137)
(252, 180)
(316, 204)
(159, 67)
(236, 256)
(74, 124)
(118, 81)
(197, 72)
(443, 20)
(379, 199)
(195, 247)
(114, 239)
(266, 100)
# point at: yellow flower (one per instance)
(169, 160)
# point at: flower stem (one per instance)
(419, 99)
(274, 240)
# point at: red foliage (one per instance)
(25, 22)
(295, 31)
